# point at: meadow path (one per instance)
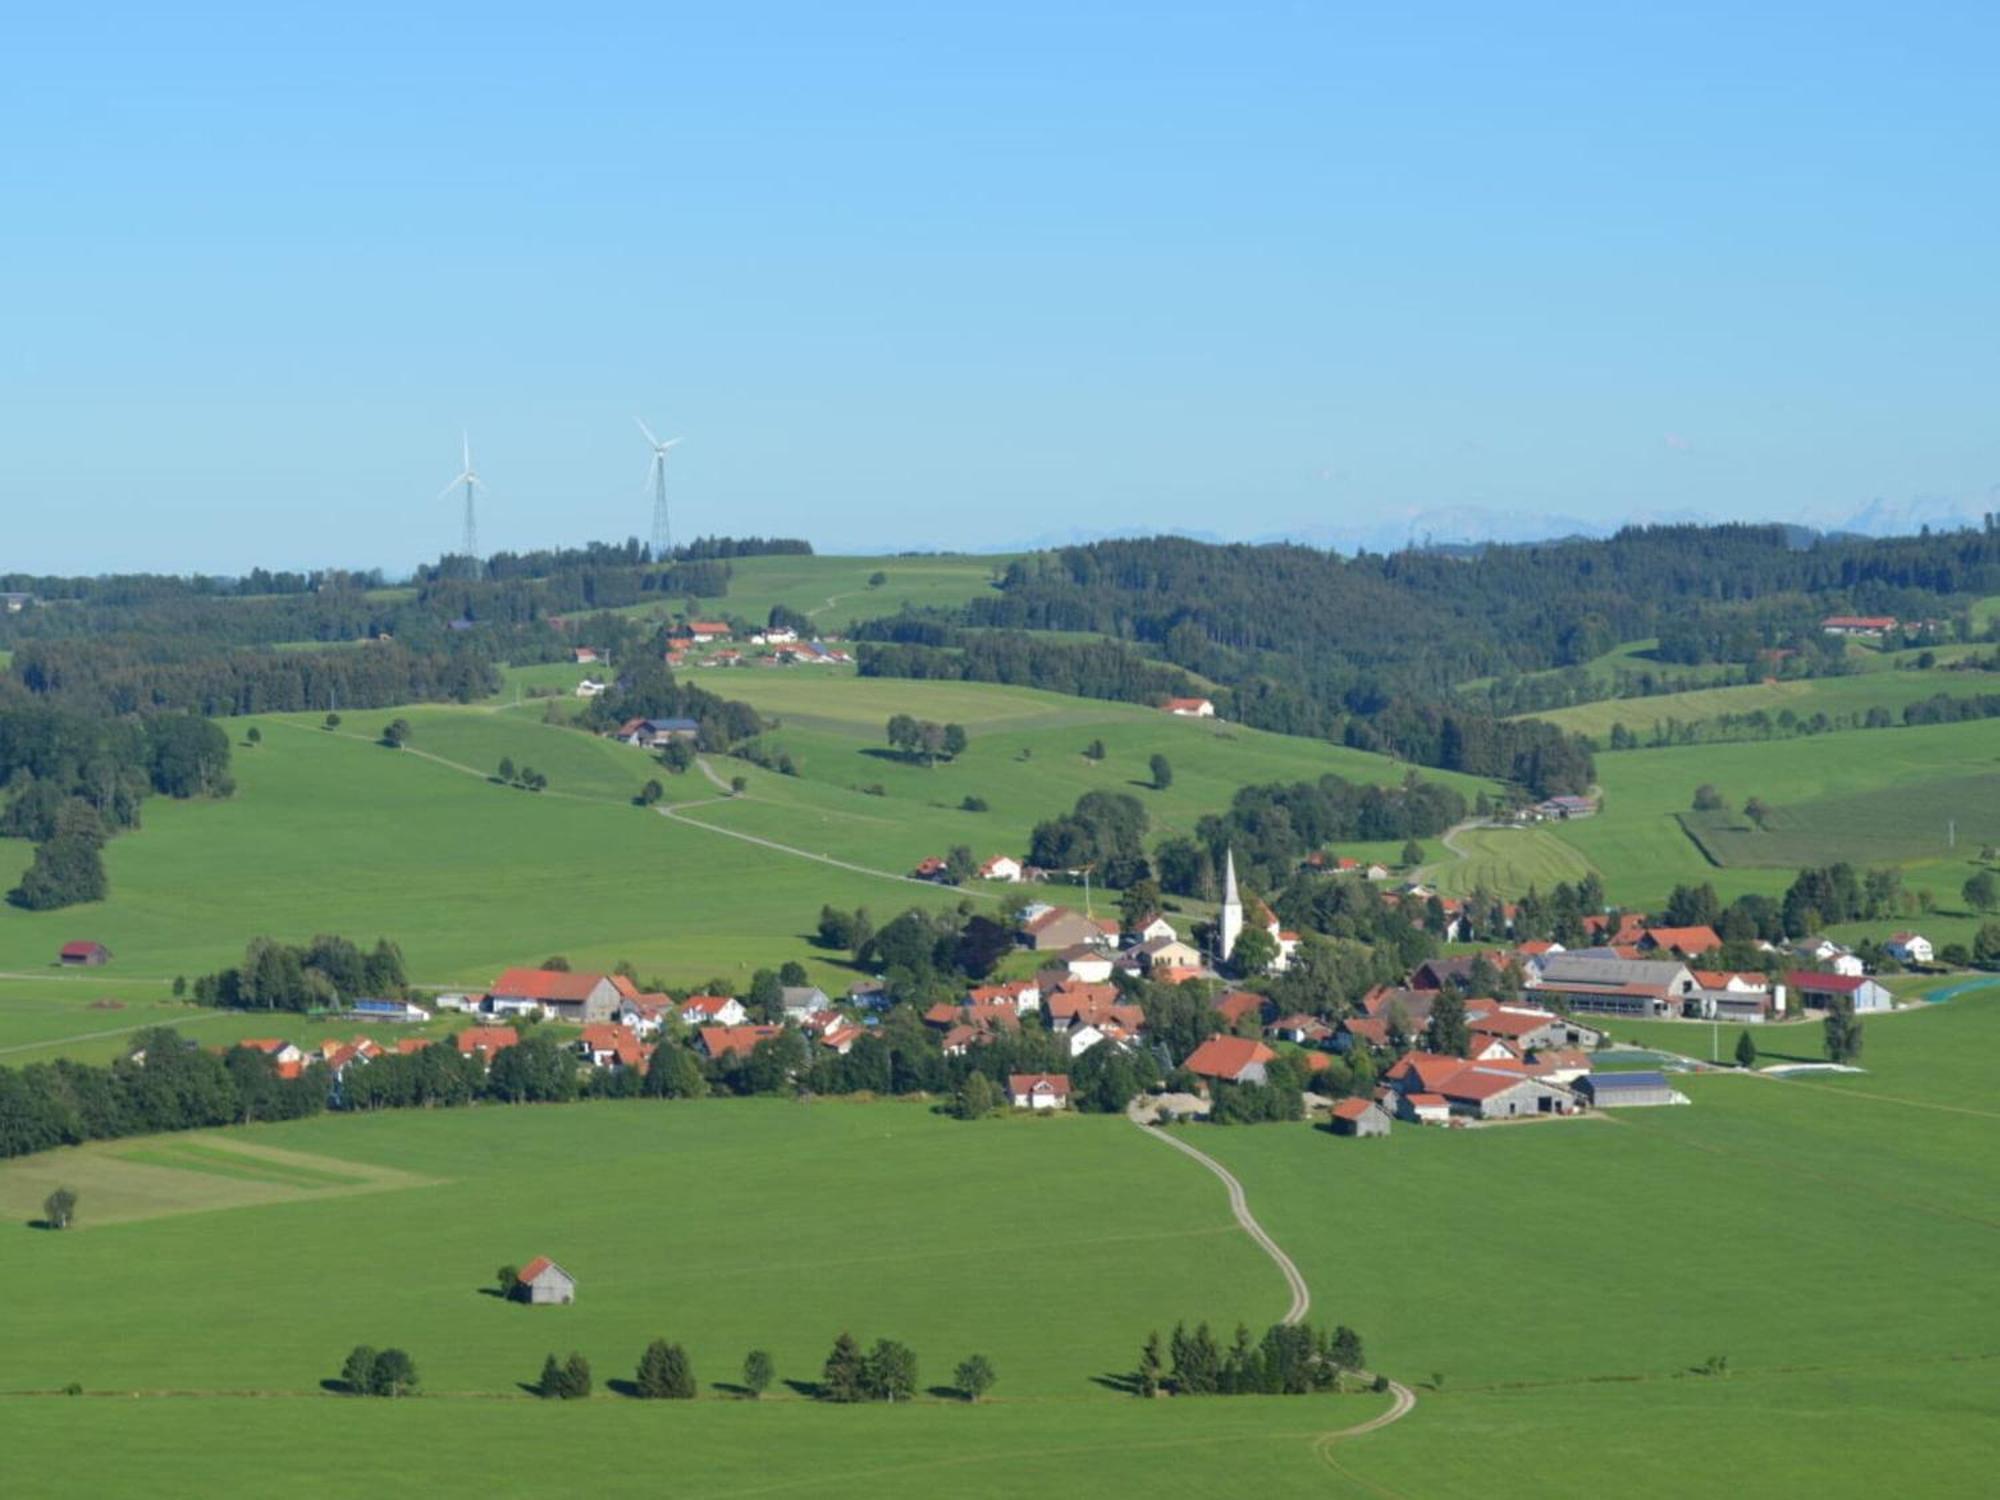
(1240, 1207)
(676, 815)
(1403, 1400)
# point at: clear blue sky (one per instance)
(949, 273)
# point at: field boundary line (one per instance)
(676, 815)
(99, 1036)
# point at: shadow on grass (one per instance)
(807, 1388)
(335, 1386)
(945, 1393)
(1125, 1384)
(623, 1387)
(730, 1388)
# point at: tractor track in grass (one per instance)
(1403, 1400)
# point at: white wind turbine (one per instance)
(656, 479)
(469, 477)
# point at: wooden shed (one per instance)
(545, 1282)
(84, 955)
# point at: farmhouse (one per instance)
(1628, 1090)
(713, 1010)
(1561, 809)
(1615, 986)
(484, 1041)
(1167, 953)
(1038, 1090)
(701, 632)
(1230, 1059)
(1490, 1093)
(1726, 996)
(606, 1045)
(583, 656)
(1681, 942)
(1023, 994)
(1360, 1117)
(1909, 948)
(544, 1283)
(1058, 927)
(1861, 625)
(1087, 962)
(591, 687)
(802, 1000)
(1424, 1109)
(1824, 990)
(645, 1014)
(563, 996)
(653, 734)
(1002, 867)
(1190, 708)
(1151, 928)
(1821, 950)
(83, 955)
(733, 1041)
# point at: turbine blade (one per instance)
(648, 431)
(467, 439)
(671, 443)
(447, 490)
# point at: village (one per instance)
(1500, 1034)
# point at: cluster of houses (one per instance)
(709, 643)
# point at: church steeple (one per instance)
(1232, 906)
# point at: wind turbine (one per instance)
(656, 476)
(469, 477)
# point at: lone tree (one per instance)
(758, 1373)
(1163, 773)
(973, 1377)
(1746, 1050)
(1843, 1032)
(59, 1208)
(1707, 798)
(396, 733)
(509, 1280)
(650, 793)
(1412, 855)
(358, 1373)
(389, 1372)
(976, 1098)
(1757, 810)
(1982, 891)
(665, 1373)
(1094, 750)
(507, 768)
(332, 721)
(254, 735)
(568, 1380)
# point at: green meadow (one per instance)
(1549, 1289)
(834, 592)
(331, 831)
(1804, 696)
(1506, 862)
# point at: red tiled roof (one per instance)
(1227, 1057)
(1843, 984)
(545, 984)
(81, 949)
(1030, 1083)
(486, 1039)
(721, 1041)
(535, 1267)
(1353, 1109)
(414, 1044)
(1237, 1004)
(1684, 939)
(1431, 1070)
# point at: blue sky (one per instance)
(931, 274)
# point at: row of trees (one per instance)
(1292, 1359)
(921, 739)
(328, 970)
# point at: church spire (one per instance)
(1230, 927)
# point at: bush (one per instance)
(972, 804)
(59, 1208)
(665, 1373)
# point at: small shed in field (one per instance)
(545, 1282)
(1360, 1117)
(83, 955)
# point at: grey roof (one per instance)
(1647, 1079)
(797, 995)
(1573, 968)
(661, 726)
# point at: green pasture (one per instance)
(332, 832)
(1506, 862)
(1830, 1240)
(1803, 696)
(1639, 845)
(1915, 821)
(834, 591)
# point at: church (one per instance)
(1230, 926)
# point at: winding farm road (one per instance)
(1403, 1400)
(1240, 1207)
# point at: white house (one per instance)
(1190, 708)
(802, 1000)
(1081, 1039)
(1153, 928)
(1090, 965)
(1820, 950)
(1001, 867)
(714, 1010)
(590, 687)
(1909, 948)
(1038, 1090)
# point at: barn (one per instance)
(82, 955)
(1360, 1117)
(543, 1282)
(1624, 1090)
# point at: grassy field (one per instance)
(834, 591)
(1640, 846)
(330, 831)
(1830, 1239)
(1506, 862)
(1883, 826)
(1804, 697)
